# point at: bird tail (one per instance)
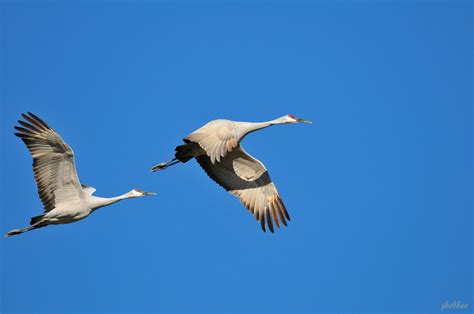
(183, 154)
(34, 220)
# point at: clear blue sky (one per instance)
(379, 187)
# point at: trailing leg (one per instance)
(19, 231)
(183, 154)
(164, 165)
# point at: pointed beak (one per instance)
(149, 193)
(304, 121)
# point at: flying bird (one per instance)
(65, 199)
(216, 147)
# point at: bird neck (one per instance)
(255, 126)
(98, 202)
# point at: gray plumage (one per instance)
(64, 199)
(216, 147)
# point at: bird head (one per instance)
(289, 118)
(139, 193)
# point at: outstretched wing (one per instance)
(245, 177)
(217, 138)
(53, 162)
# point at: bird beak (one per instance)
(149, 193)
(304, 121)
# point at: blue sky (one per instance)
(379, 187)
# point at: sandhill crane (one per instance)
(216, 147)
(65, 199)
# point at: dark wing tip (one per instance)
(21, 135)
(36, 120)
(283, 207)
(269, 220)
(283, 220)
(262, 223)
(31, 114)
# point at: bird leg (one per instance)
(18, 231)
(164, 165)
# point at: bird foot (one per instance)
(13, 232)
(161, 166)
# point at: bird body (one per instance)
(216, 147)
(64, 199)
(70, 211)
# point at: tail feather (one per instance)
(185, 152)
(34, 220)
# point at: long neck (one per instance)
(97, 202)
(249, 127)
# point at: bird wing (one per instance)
(217, 138)
(247, 178)
(53, 162)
